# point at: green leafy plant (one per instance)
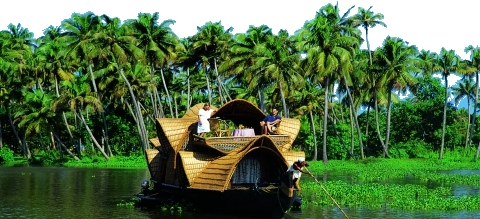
(6, 155)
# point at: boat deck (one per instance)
(227, 144)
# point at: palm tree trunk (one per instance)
(261, 95)
(208, 87)
(140, 122)
(385, 152)
(352, 134)
(25, 146)
(284, 103)
(94, 140)
(389, 108)
(325, 120)
(1, 137)
(166, 91)
(474, 111)
(339, 136)
(64, 147)
(176, 106)
(189, 98)
(57, 91)
(15, 131)
(440, 155)
(312, 127)
(102, 113)
(468, 125)
(355, 118)
(368, 45)
(366, 127)
(218, 81)
(159, 101)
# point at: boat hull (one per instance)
(260, 202)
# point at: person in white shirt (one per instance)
(203, 116)
(297, 169)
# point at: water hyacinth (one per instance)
(396, 184)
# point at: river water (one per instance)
(60, 192)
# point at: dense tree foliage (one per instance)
(92, 87)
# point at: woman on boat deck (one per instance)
(297, 169)
(203, 116)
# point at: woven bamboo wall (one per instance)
(293, 156)
(289, 127)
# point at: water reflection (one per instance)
(55, 192)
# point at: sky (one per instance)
(429, 25)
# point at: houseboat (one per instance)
(234, 168)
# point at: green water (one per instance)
(56, 192)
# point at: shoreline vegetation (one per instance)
(86, 94)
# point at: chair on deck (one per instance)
(219, 127)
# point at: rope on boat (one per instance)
(326, 192)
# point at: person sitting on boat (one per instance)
(270, 122)
(297, 169)
(203, 116)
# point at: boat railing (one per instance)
(228, 144)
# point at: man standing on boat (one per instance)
(297, 169)
(203, 116)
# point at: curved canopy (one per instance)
(240, 111)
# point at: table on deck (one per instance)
(243, 132)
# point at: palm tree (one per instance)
(244, 63)
(281, 63)
(38, 117)
(77, 97)
(396, 59)
(81, 35)
(447, 62)
(308, 100)
(327, 52)
(474, 63)
(367, 19)
(156, 41)
(209, 43)
(466, 88)
(426, 61)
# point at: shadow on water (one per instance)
(58, 192)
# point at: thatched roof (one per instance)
(155, 142)
(217, 174)
(174, 132)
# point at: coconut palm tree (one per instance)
(367, 19)
(244, 64)
(209, 43)
(38, 118)
(474, 64)
(465, 89)
(281, 61)
(396, 59)
(447, 62)
(157, 41)
(77, 96)
(327, 51)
